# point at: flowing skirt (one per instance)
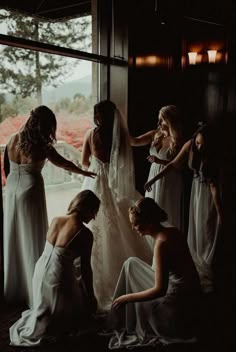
(168, 319)
(114, 239)
(25, 228)
(59, 299)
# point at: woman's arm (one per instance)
(143, 139)
(161, 280)
(6, 163)
(174, 164)
(86, 150)
(65, 164)
(217, 201)
(155, 159)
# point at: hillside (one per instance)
(68, 89)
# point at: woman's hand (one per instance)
(88, 173)
(120, 301)
(153, 159)
(148, 186)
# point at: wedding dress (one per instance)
(114, 239)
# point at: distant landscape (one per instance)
(68, 89)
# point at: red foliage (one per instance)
(70, 129)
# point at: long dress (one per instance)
(168, 190)
(203, 230)
(60, 299)
(114, 239)
(169, 319)
(25, 228)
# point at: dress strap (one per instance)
(72, 239)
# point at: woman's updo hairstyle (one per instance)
(83, 203)
(146, 211)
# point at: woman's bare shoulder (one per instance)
(56, 222)
(13, 139)
(88, 133)
(167, 234)
(187, 145)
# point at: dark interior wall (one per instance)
(150, 87)
(203, 92)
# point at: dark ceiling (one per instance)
(49, 9)
(218, 11)
(215, 11)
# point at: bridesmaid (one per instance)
(165, 141)
(61, 299)
(159, 303)
(25, 213)
(205, 213)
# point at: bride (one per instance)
(107, 152)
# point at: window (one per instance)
(67, 85)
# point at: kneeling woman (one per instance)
(159, 303)
(61, 298)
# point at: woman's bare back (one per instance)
(16, 155)
(63, 229)
(98, 149)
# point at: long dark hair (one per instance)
(205, 160)
(104, 119)
(39, 131)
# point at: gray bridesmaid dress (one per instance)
(61, 300)
(25, 228)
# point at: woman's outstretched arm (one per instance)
(143, 139)
(65, 164)
(174, 164)
(155, 159)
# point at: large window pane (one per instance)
(69, 87)
(75, 33)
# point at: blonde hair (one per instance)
(170, 114)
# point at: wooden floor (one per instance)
(217, 334)
(89, 341)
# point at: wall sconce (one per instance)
(212, 56)
(192, 57)
(151, 61)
